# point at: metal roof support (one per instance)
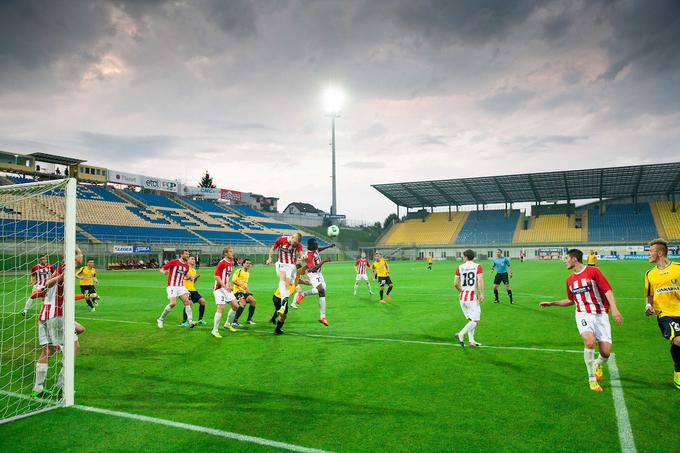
(472, 192)
(502, 191)
(566, 187)
(441, 192)
(533, 189)
(417, 197)
(638, 179)
(601, 190)
(449, 213)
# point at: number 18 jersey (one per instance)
(468, 272)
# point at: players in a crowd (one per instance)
(662, 294)
(429, 262)
(87, 275)
(501, 264)
(589, 290)
(360, 267)
(51, 330)
(469, 281)
(224, 292)
(280, 307)
(177, 270)
(288, 249)
(194, 296)
(39, 275)
(313, 266)
(592, 258)
(242, 292)
(381, 273)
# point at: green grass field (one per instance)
(315, 389)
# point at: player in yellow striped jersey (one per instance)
(592, 258)
(243, 295)
(381, 273)
(281, 307)
(88, 278)
(662, 294)
(194, 296)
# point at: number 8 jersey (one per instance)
(468, 273)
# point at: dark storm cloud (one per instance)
(125, 148)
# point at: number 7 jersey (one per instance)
(469, 273)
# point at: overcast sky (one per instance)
(436, 89)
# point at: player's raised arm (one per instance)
(321, 249)
(55, 279)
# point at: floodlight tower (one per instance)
(333, 99)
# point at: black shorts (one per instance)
(195, 296)
(382, 281)
(592, 265)
(277, 303)
(669, 326)
(87, 289)
(501, 277)
(241, 295)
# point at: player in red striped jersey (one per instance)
(589, 290)
(288, 249)
(313, 264)
(224, 292)
(39, 275)
(177, 270)
(360, 267)
(51, 329)
(469, 282)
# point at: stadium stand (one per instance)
(621, 223)
(158, 201)
(550, 228)
(246, 211)
(489, 227)
(668, 221)
(436, 229)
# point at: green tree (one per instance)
(207, 181)
(390, 220)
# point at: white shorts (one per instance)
(38, 287)
(361, 277)
(316, 279)
(597, 324)
(51, 331)
(471, 310)
(288, 268)
(176, 291)
(222, 296)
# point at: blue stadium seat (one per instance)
(144, 215)
(226, 237)
(34, 229)
(621, 222)
(488, 227)
(139, 234)
(155, 200)
(246, 210)
(20, 180)
(205, 206)
(277, 226)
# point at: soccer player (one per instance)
(592, 258)
(313, 265)
(51, 330)
(429, 262)
(177, 270)
(242, 293)
(469, 281)
(195, 297)
(88, 278)
(662, 291)
(39, 275)
(360, 267)
(592, 294)
(281, 308)
(223, 292)
(381, 273)
(501, 264)
(288, 248)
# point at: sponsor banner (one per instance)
(634, 257)
(131, 249)
(608, 257)
(119, 177)
(232, 195)
(165, 185)
(552, 250)
(203, 192)
(672, 249)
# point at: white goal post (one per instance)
(37, 224)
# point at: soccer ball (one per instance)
(333, 231)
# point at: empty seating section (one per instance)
(436, 229)
(246, 211)
(277, 226)
(159, 201)
(489, 227)
(204, 205)
(139, 234)
(669, 220)
(621, 223)
(227, 237)
(33, 229)
(550, 228)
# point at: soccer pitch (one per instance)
(380, 378)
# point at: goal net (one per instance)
(37, 235)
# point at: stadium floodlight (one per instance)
(333, 100)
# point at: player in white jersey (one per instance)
(469, 282)
(360, 267)
(288, 249)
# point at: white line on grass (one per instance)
(625, 432)
(164, 422)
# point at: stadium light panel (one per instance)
(333, 100)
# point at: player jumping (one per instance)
(177, 270)
(313, 266)
(588, 288)
(469, 282)
(360, 267)
(288, 249)
(501, 264)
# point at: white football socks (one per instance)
(216, 321)
(40, 375)
(187, 310)
(322, 306)
(589, 359)
(166, 310)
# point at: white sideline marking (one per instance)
(623, 422)
(164, 422)
(116, 320)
